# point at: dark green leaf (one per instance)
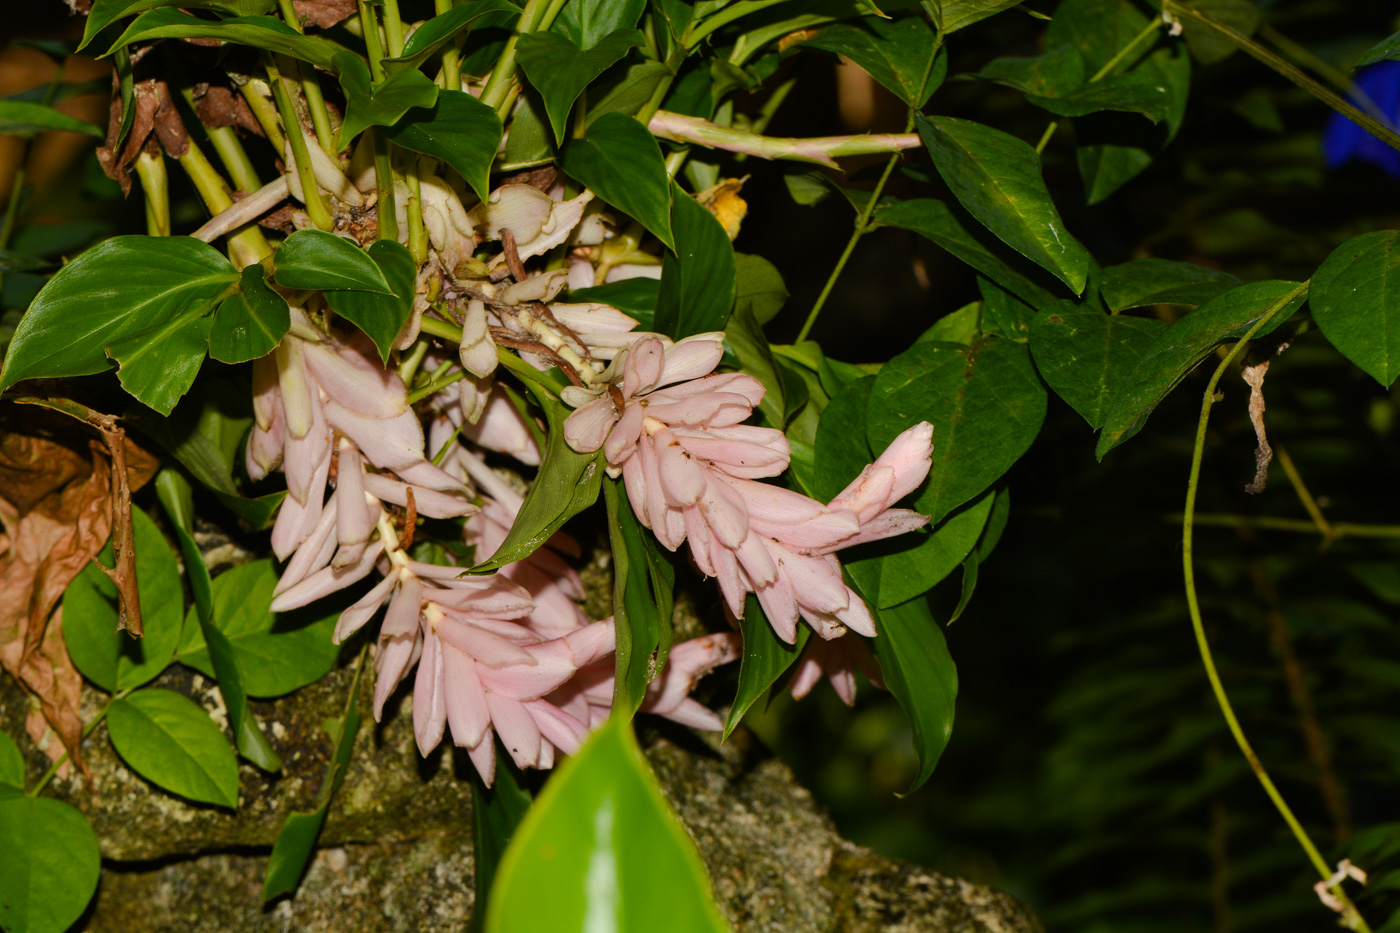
(960, 326)
(955, 14)
(381, 317)
(459, 129)
(52, 863)
(428, 38)
(697, 281)
(766, 657)
(758, 287)
(842, 450)
(630, 93)
(496, 814)
(997, 178)
(105, 655)
(745, 338)
(795, 390)
(1003, 313)
(896, 570)
(1137, 92)
(642, 588)
(123, 286)
(560, 70)
(16, 262)
(1355, 299)
(314, 259)
(635, 296)
(158, 366)
(620, 161)
(11, 762)
(259, 32)
(585, 23)
(1161, 281)
(1057, 71)
(1178, 349)
(604, 844)
(1388, 48)
(382, 104)
(18, 117)
(985, 402)
(1206, 44)
(1085, 356)
(106, 12)
(250, 324)
(895, 52)
(529, 142)
(166, 738)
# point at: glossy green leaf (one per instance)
(497, 812)
(620, 161)
(106, 12)
(642, 600)
(51, 860)
(895, 52)
(960, 326)
(698, 280)
(630, 93)
(158, 366)
(381, 317)
(1056, 71)
(1355, 298)
(314, 259)
(459, 129)
(1003, 313)
(745, 338)
(585, 23)
(955, 14)
(378, 104)
(604, 844)
(430, 37)
(919, 671)
(1155, 281)
(11, 762)
(986, 404)
(250, 324)
(896, 570)
(259, 32)
(1136, 92)
(758, 287)
(560, 70)
(1085, 355)
(766, 658)
(997, 178)
(842, 450)
(121, 287)
(276, 653)
(111, 658)
(166, 738)
(1179, 348)
(23, 118)
(529, 141)
(1387, 48)
(635, 297)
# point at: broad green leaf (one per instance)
(276, 653)
(1003, 313)
(795, 391)
(382, 104)
(1154, 281)
(632, 90)
(314, 259)
(895, 52)
(560, 70)
(529, 142)
(985, 402)
(642, 600)
(11, 261)
(251, 323)
(934, 220)
(620, 161)
(459, 129)
(23, 118)
(1135, 92)
(896, 570)
(635, 297)
(608, 850)
(919, 671)
(381, 317)
(766, 657)
(1108, 166)
(428, 38)
(698, 279)
(955, 14)
(166, 738)
(745, 338)
(1355, 298)
(997, 178)
(960, 326)
(11, 762)
(758, 287)
(51, 860)
(259, 32)
(106, 656)
(1206, 44)
(842, 450)
(1178, 349)
(158, 366)
(121, 287)
(1056, 71)
(585, 23)
(106, 12)
(496, 814)
(1388, 48)
(1085, 355)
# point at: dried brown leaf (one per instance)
(323, 13)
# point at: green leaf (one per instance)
(1388, 48)
(314, 259)
(1003, 313)
(560, 70)
(259, 32)
(896, 570)
(934, 220)
(587, 22)
(250, 324)
(642, 600)
(997, 178)
(459, 129)
(276, 653)
(52, 863)
(24, 118)
(895, 52)
(766, 657)
(1085, 355)
(698, 279)
(428, 38)
(620, 161)
(758, 287)
(842, 450)
(381, 317)
(105, 655)
(1135, 92)
(955, 14)
(1355, 300)
(1178, 349)
(497, 812)
(383, 104)
(745, 338)
(159, 365)
(1206, 44)
(960, 326)
(919, 671)
(630, 93)
(166, 738)
(121, 287)
(106, 12)
(529, 142)
(1154, 281)
(11, 762)
(986, 404)
(636, 296)
(1056, 71)
(604, 844)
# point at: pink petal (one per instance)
(560, 728)
(643, 366)
(588, 427)
(725, 513)
(483, 646)
(887, 524)
(326, 581)
(294, 386)
(758, 564)
(404, 608)
(692, 357)
(517, 729)
(267, 397)
(857, 617)
(682, 479)
(388, 443)
(425, 501)
(623, 438)
(429, 704)
(356, 521)
(483, 756)
(780, 606)
(695, 715)
(806, 674)
(363, 609)
(313, 553)
(467, 713)
(362, 386)
(393, 659)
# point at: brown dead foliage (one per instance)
(323, 13)
(219, 106)
(155, 125)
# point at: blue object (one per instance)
(1344, 141)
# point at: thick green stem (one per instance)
(230, 149)
(436, 328)
(417, 236)
(311, 192)
(503, 75)
(386, 209)
(315, 100)
(373, 48)
(451, 62)
(393, 28)
(256, 92)
(820, 150)
(155, 186)
(723, 18)
(247, 245)
(1350, 917)
(1301, 526)
(439, 381)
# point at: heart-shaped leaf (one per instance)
(619, 160)
(51, 863)
(560, 70)
(1085, 355)
(459, 129)
(250, 324)
(1355, 298)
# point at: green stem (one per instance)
(311, 192)
(436, 328)
(155, 185)
(723, 18)
(503, 75)
(256, 93)
(1274, 523)
(87, 731)
(226, 143)
(451, 62)
(1104, 72)
(393, 28)
(373, 48)
(1349, 914)
(438, 382)
(385, 208)
(1295, 478)
(247, 245)
(820, 150)
(1302, 56)
(417, 237)
(311, 87)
